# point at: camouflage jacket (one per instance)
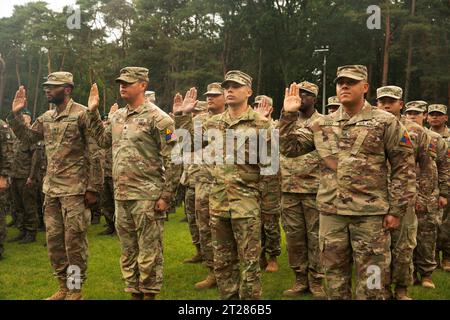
(354, 172)
(107, 162)
(142, 140)
(25, 164)
(236, 180)
(96, 166)
(440, 179)
(6, 149)
(424, 163)
(66, 145)
(301, 174)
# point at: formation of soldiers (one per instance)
(363, 186)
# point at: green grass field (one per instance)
(25, 271)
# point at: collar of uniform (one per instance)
(364, 114)
(137, 110)
(248, 114)
(65, 112)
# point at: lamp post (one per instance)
(325, 50)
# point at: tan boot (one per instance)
(209, 282)
(272, 265)
(61, 293)
(137, 296)
(428, 283)
(316, 288)
(74, 295)
(197, 258)
(149, 296)
(401, 293)
(299, 287)
(446, 265)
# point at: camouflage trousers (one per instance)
(40, 196)
(359, 239)
(4, 195)
(403, 242)
(189, 210)
(425, 253)
(25, 205)
(202, 190)
(443, 242)
(270, 217)
(66, 221)
(140, 231)
(237, 248)
(107, 201)
(300, 219)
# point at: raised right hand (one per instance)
(94, 98)
(20, 100)
(292, 100)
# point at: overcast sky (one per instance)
(7, 6)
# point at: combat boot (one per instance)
(61, 293)
(29, 238)
(107, 232)
(428, 283)
(95, 220)
(137, 296)
(74, 295)
(272, 265)
(300, 286)
(197, 258)
(19, 237)
(401, 293)
(316, 288)
(263, 262)
(149, 296)
(209, 282)
(446, 265)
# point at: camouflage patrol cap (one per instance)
(214, 88)
(259, 99)
(354, 71)
(133, 74)
(59, 78)
(310, 87)
(418, 105)
(26, 111)
(333, 101)
(151, 95)
(201, 106)
(442, 108)
(390, 91)
(238, 77)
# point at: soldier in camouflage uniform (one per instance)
(189, 180)
(333, 104)
(437, 118)
(234, 200)
(96, 170)
(270, 203)
(356, 210)
(204, 180)
(429, 220)
(6, 151)
(24, 187)
(141, 136)
(403, 239)
(107, 197)
(300, 183)
(67, 184)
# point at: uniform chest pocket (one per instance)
(369, 140)
(69, 131)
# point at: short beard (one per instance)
(58, 99)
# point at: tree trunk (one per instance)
(387, 41)
(409, 58)
(49, 61)
(2, 79)
(36, 87)
(258, 88)
(19, 81)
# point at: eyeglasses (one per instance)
(307, 94)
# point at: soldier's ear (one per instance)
(249, 92)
